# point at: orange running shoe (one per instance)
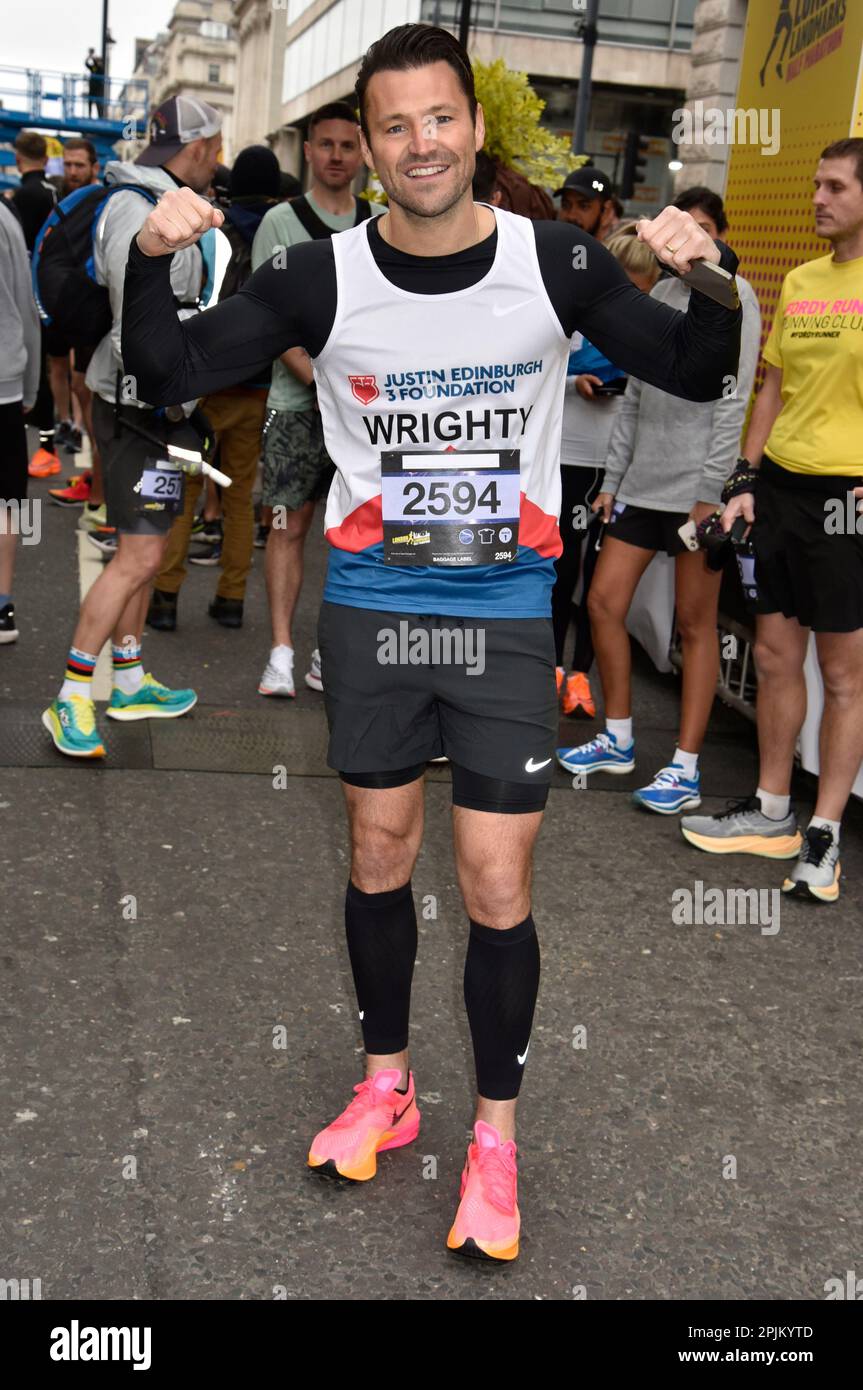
(75, 495)
(487, 1222)
(378, 1118)
(559, 676)
(577, 699)
(44, 464)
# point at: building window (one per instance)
(213, 29)
(214, 73)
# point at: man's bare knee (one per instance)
(290, 525)
(776, 659)
(139, 558)
(843, 682)
(382, 858)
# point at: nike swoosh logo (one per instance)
(531, 766)
(500, 312)
(523, 1059)
(397, 1116)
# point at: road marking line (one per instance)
(89, 568)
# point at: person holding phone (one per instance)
(594, 389)
(664, 474)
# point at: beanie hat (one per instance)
(255, 173)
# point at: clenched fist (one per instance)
(676, 239)
(179, 219)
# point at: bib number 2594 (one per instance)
(453, 509)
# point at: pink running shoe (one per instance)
(377, 1118)
(487, 1222)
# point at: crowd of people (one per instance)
(321, 342)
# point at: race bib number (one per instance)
(453, 509)
(160, 490)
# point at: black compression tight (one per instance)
(501, 981)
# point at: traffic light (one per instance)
(634, 159)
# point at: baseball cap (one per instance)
(592, 182)
(177, 122)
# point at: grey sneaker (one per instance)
(313, 675)
(743, 829)
(816, 873)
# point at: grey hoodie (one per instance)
(666, 454)
(122, 219)
(19, 319)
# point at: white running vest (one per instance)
(480, 368)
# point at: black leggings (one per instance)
(581, 486)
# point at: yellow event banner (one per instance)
(802, 70)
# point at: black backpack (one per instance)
(317, 229)
(63, 265)
(239, 267)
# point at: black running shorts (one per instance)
(649, 530)
(403, 688)
(808, 553)
(58, 345)
(124, 459)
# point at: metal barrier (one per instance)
(737, 684)
(44, 95)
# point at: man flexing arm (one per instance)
(291, 304)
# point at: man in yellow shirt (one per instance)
(798, 482)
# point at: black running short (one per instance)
(403, 688)
(124, 459)
(647, 529)
(808, 552)
(58, 345)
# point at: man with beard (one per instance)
(587, 201)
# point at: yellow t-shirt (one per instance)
(817, 340)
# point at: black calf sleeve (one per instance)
(501, 982)
(382, 943)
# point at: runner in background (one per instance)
(185, 137)
(68, 362)
(236, 413)
(34, 201)
(594, 391)
(666, 467)
(297, 468)
(587, 201)
(799, 480)
(20, 358)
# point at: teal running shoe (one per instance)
(72, 725)
(151, 701)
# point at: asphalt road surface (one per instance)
(690, 1116)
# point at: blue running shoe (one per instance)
(600, 755)
(670, 792)
(152, 701)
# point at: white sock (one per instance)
(688, 761)
(621, 729)
(833, 825)
(282, 658)
(79, 674)
(127, 677)
(70, 688)
(772, 806)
